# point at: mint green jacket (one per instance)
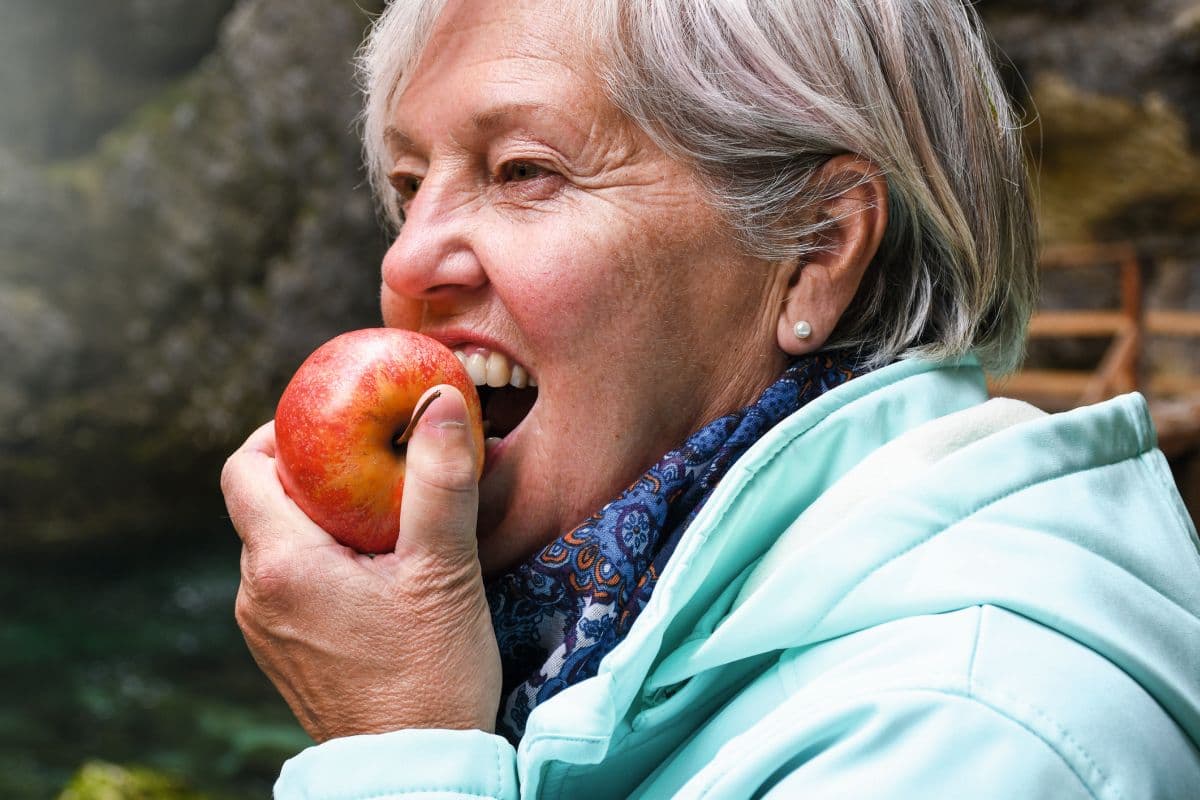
(901, 591)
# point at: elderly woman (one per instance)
(750, 526)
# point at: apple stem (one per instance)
(403, 437)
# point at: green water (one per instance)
(135, 659)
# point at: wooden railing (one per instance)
(1174, 399)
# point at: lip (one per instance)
(492, 456)
(456, 337)
(491, 459)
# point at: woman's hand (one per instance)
(365, 645)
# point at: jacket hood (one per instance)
(1053, 531)
(1072, 522)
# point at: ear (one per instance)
(821, 288)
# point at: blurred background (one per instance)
(183, 218)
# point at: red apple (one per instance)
(339, 427)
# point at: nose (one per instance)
(433, 257)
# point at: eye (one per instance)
(406, 186)
(521, 171)
(525, 182)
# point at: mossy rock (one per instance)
(100, 780)
(1111, 167)
(157, 291)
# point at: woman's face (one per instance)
(547, 228)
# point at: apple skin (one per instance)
(337, 420)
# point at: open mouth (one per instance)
(507, 390)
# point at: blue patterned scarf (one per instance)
(560, 612)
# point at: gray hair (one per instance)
(758, 95)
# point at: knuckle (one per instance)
(243, 609)
(266, 576)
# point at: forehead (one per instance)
(500, 39)
(487, 62)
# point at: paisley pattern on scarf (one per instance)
(559, 613)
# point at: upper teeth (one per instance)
(494, 369)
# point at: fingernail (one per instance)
(447, 411)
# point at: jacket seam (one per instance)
(446, 790)
(500, 770)
(1012, 699)
(1059, 729)
(974, 650)
(780, 727)
(553, 783)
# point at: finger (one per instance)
(259, 445)
(441, 493)
(262, 513)
(262, 440)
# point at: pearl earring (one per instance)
(802, 330)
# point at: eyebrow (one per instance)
(487, 121)
(494, 118)
(396, 139)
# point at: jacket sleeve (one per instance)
(403, 764)
(898, 745)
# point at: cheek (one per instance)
(561, 293)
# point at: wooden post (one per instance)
(1133, 305)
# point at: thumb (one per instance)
(441, 491)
